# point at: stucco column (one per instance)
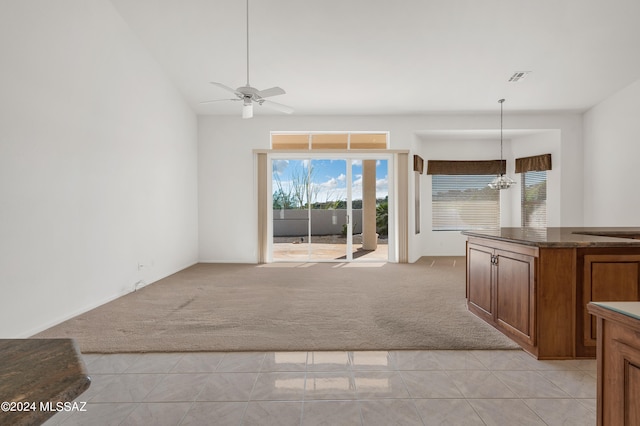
(369, 236)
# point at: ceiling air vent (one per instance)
(519, 76)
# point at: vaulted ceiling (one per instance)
(395, 57)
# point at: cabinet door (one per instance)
(608, 278)
(621, 385)
(515, 295)
(479, 277)
(632, 394)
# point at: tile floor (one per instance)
(336, 388)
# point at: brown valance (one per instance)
(418, 164)
(535, 163)
(443, 167)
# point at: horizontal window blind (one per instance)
(534, 199)
(464, 202)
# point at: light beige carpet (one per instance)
(278, 307)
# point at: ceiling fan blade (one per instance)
(227, 88)
(218, 100)
(274, 91)
(278, 107)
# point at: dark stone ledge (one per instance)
(39, 371)
(564, 237)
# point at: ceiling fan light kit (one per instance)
(248, 95)
(247, 110)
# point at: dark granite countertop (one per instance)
(564, 237)
(38, 371)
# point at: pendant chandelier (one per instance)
(501, 181)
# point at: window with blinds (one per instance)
(464, 202)
(534, 199)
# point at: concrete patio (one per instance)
(325, 248)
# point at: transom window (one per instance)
(316, 141)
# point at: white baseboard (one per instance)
(89, 307)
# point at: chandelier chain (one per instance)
(501, 101)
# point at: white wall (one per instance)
(97, 164)
(611, 153)
(520, 143)
(227, 197)
(227, 218)
(436, 243)
(560, 134)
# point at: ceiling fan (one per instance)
(248, 95)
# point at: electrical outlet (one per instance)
(140, 266)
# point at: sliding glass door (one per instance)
(290, 209)
(329, 208)
(370, 195)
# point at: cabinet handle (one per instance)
(496, 261)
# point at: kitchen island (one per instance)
(534, 284)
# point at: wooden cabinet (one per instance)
(612, 276)
(536, 292)
(618, 354)
(501, 286)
